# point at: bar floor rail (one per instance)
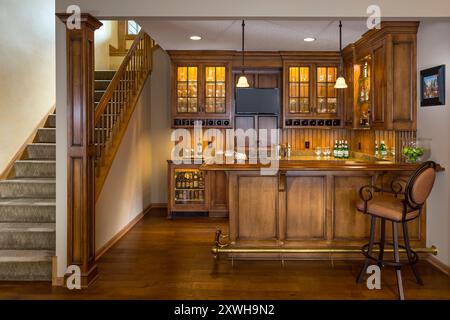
(225, 247)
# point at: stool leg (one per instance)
(408, 252)
(382, 241)
(397, 259)
(359, 279)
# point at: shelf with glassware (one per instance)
(310, 98)
(201, 91)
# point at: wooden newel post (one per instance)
(80, 146)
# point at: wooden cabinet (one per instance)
(389, 54)
(201, 89)
(309, 96)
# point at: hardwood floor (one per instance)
(170, 259)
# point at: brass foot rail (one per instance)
(221, 247)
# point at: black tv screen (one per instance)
(257, 101)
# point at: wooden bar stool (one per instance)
(398, 205)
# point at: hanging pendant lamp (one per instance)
(243, 82)
(340, 82)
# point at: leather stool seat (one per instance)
(386, 206)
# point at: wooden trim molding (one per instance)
(119, 235)
(81, 147)
(7, 172)
(438, 264)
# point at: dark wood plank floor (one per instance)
(161, 259)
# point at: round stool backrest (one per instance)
(420, 184)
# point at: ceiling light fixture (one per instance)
(309, 39)
(243, 82)
(195, 38)
(340, 82)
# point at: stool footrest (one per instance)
(413, 260)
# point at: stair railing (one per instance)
(117, 104)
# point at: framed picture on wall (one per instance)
(432, 86)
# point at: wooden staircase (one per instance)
(116, 96)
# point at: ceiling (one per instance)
(260, 35)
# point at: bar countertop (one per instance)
(309, 163)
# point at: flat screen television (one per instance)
(257, 101)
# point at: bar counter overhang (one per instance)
(307, 209)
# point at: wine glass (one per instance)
(318, 151)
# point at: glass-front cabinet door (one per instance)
(299, 98)
(201, 90)
(187, 89)
(215, 89)
(327, 97)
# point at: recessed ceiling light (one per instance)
(309, 39)
(195, 38)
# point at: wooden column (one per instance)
(80, 147)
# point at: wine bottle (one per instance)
(346, 151)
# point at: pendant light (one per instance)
(340, 82)
(243, 82)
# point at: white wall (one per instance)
(434, 122)
(127, 191)
(160, 124)
(27, 70)
(61, 147)
(103, 37)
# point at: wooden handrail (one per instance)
(119, 100)
(117, 76)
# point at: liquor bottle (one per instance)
(201, 183)
(182, 185)
(195, 180)
(346, 152)
(376, 150)
(191, 183)
(366, 70)
(178, 181)
(363, 93)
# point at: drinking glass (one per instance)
(318, 151)
(327, 152)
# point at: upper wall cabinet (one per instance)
(309, 96)
(384, 78)
(201, 90)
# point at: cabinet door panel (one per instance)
(349, 223)
(305, 212)
(379, 86)
(258, 213)
(403, 85)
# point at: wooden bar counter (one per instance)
(307, 203)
